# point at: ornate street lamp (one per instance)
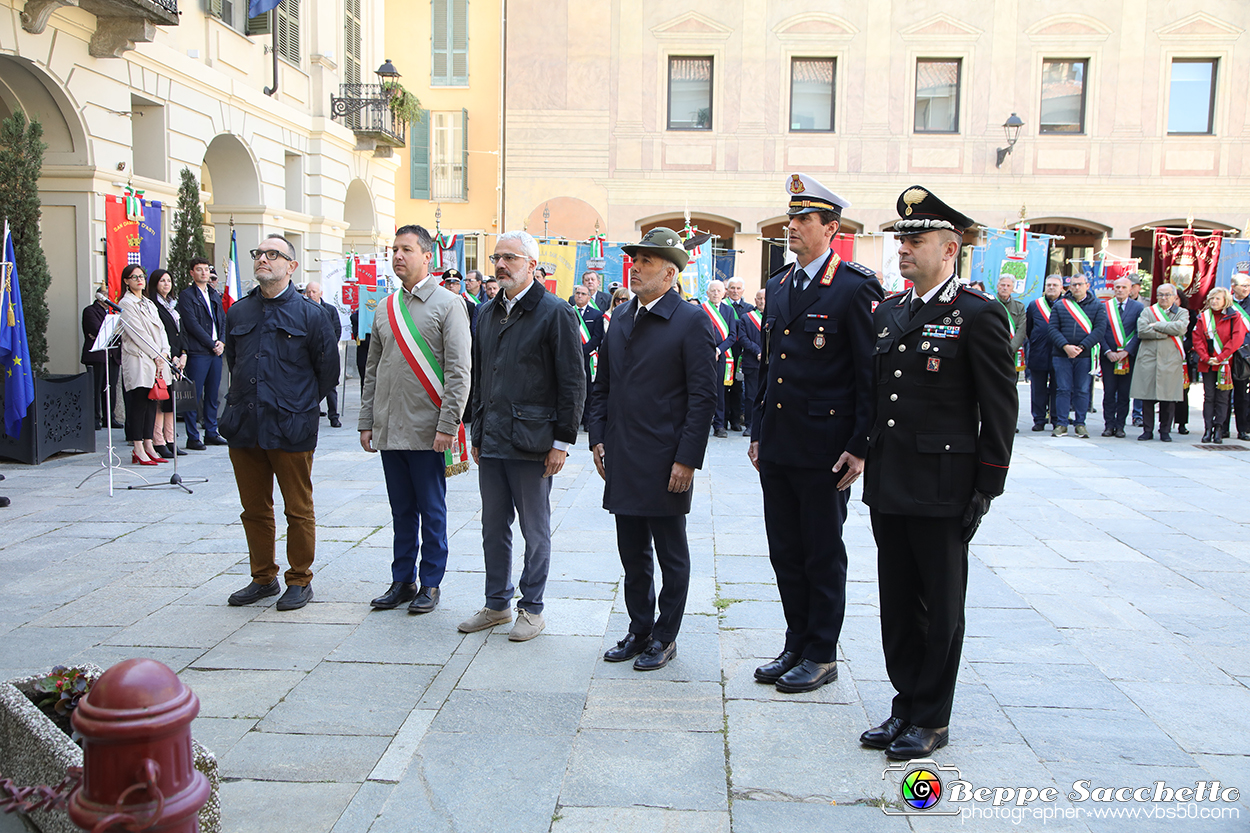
(1012, 128)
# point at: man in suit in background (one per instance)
(599, 300)
(753, 330)
(1119, 354)
(1041, 351)
(725, 326)
(203, 330)
(313, 292)
(652, 404)
(734, 289)
(946, 408)
(590, 330)
(810, 434)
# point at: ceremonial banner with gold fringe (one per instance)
(457, 457)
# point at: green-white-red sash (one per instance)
(1161, 317)
(1043, 308)
(1245, 316)
(1011, 326)
(607, 320)
(1222, 382)
(756, 319)
(594, 364)
(416, 351)
(1117, 333)
(718, 321)
(729, 369)
(582, 329)
(1079, 314)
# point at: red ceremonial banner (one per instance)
(844, 246)
(1188, 261)
(121, 243)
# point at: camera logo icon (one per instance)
(921, 786)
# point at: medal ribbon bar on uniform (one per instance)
(939, 331)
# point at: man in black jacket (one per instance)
(283, 359)
(203, 324)
(313, 292)
(526, 403)
(653, 402)
(946, 407)
(590, 332)
(811, 430)
(104, 371)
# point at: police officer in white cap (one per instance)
(810, 429)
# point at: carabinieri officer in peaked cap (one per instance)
(810, 429)
(946, 407)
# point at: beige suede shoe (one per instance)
(528, 625)
(483, 619)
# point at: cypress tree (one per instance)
(187, 240)
(21, 160)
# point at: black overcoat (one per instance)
(652, 403)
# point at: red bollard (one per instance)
(137, 760)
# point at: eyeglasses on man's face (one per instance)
(269, 254)
(506, 257)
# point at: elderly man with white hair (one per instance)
(727, 330)
(735, 288)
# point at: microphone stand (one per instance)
(111, 462)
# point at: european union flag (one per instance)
(256, 8)
(19, 380)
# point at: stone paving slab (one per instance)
(1108, 607)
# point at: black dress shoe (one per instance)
(656, 656)
(215, 439)
(176, 450)
(4, 501)
(917, 742)
(808, 675)
(1242, 435)
(1181, 429)
(295, 597)
(1206, 437)
(116, 424)
(1039, 426)
(164, 451)
(1119, 432)
(425, 601)
(770, 672)
(885, 734)
(254, 593)
(1108, 432)
(99, 424)
(335, 423)
(195, 445)
(628, 648)
(399, 593)
(735, 427)
(1146, 435)
(722, 434)
(1165, 438)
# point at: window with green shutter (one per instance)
(419, 155)
(351, 41)
(288, 30)
(449, 43)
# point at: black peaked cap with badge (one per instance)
(920, 210)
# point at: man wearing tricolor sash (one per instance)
(1160, 373)
(728, 333)
(590, 332)
(1241, 387)
(528, 393)
(1077, 322)
(1015, 319)
(416, 390)
(1041, 352)
(283, 359)
(1119, 352)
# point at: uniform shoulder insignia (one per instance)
(861, 268)
(984, 296)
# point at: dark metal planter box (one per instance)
(62, 418)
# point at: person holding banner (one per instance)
(1160, 374)
(282, 357)
(1076, 327)
(1119, 352)
(1220, 333)
(526, 403)
(416, 389)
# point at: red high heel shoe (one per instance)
(135, 460)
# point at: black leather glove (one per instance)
(977, 507)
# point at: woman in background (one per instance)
(141, 365)
(1219, 333)
(160, 290)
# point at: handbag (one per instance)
(159, 392)
(1241, 365)
(182, 390)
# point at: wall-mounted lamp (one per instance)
(1012, 128)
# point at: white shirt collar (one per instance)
(418, 285)
(928, 296)
(509, 303)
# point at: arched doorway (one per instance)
(360, 218)
(1081, 239)
(228, 175)
(566, 217)
(67, 206)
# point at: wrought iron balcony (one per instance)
(366, 109)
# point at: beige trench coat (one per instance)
(394, 405)
(1159, 373)
(140, 365)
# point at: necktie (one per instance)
(798, 286)
(638, 317)
(917, 304)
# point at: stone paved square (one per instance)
(1107, 620)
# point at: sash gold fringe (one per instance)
(456, 468)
